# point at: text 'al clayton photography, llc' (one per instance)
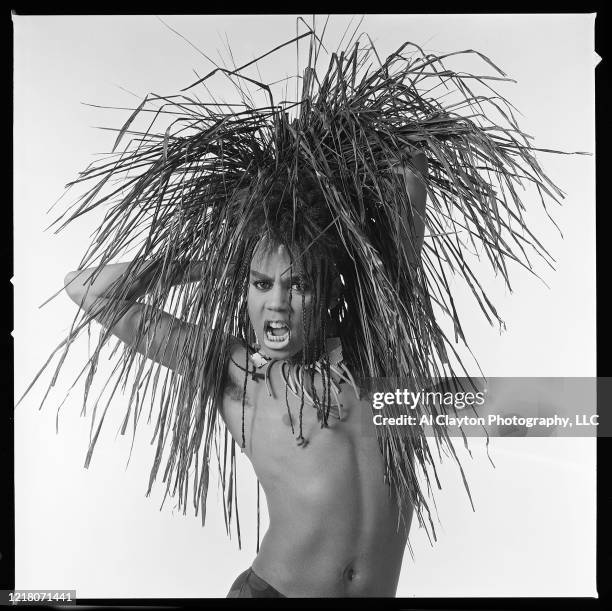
(494, 406)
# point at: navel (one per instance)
(349, 573)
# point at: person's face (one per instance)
(275, 302)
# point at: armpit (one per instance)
(233, 390)
(233, 378)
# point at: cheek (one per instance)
(252, 303)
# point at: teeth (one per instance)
(277, 338)
(273, 327)
(276, 324)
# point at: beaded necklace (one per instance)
(294, 376)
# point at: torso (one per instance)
(334, 528)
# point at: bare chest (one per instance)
(289, 441)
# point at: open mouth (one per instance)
(276, 333)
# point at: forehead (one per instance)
(270, 258)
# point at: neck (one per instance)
(332, 345)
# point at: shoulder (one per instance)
(237, 359)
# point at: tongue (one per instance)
(278, 332)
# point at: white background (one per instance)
(533, 532)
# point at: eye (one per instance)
(299, 286)
(261, 285)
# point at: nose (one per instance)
(278, 298)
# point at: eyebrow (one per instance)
(261, 276)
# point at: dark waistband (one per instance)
(250, 585)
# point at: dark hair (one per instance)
(295, 215)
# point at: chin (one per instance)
(280, 353)
(283, 352)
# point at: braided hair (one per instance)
(299, 220)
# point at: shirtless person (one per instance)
(335, 528)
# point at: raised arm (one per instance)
(164, 342)
(413, 218)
